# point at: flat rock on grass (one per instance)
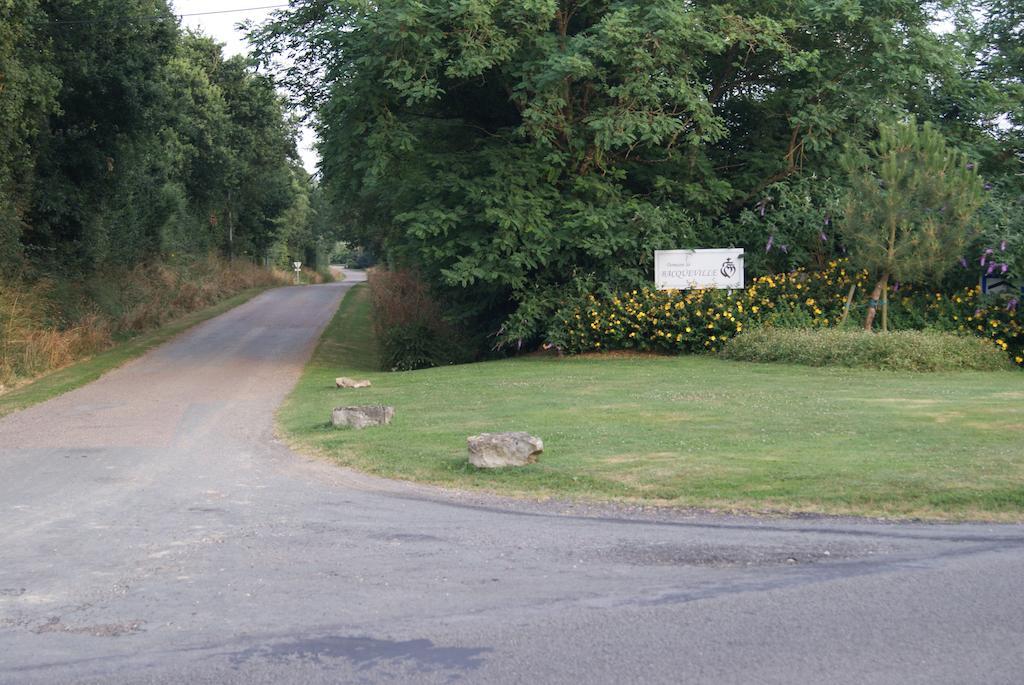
(362, 417)
(348, 383)
(499, 450)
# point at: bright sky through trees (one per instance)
(223, 27)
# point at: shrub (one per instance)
(675, 321)
(409, 325)
(897, 351)
(411, 347)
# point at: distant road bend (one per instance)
(155, 532)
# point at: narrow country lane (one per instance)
(154, 531)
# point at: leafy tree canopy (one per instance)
(517, 152)
(123, 138)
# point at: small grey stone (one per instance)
(498, 450)
(351, 383)
(362, 417)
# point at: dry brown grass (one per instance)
(45, 327)
(401, 298)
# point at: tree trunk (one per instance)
(849, 303)
(876, 294)
(885, 311)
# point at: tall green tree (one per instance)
(28, 95)
(93, 172)
(911, 208)
(124, 138)
(517, 152)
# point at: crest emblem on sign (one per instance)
(728, 268)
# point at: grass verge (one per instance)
(83, 372)
(688, 431)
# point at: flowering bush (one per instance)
(674, 321)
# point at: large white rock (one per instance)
(362, 417)
(351, 383)
(498, 450)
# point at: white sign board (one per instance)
(698, 269)
(297, 265)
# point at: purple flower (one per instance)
(988, 186)
(784, 248)
(1011, 306)
(970, 166)
(991, 268)
(896, 287)
(963, 262)
(828, 220)
(824, 237)
(1003, 268)
(983, 258)
(771, 241)
(1002, 246)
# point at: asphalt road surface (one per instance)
(154, 531)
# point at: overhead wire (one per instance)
(161, 17)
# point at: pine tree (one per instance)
(910, 212)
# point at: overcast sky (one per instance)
(222, 27)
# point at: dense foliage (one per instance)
(704, 320)
(124, 138)
(517, 152)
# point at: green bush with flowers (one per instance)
(698, 321)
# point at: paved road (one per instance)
(155, 532)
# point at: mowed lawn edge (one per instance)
(694, 432)
(86, 371)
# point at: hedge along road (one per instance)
(154, 531)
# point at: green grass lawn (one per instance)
(687, 431)
(88, 370)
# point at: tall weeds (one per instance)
(409, 323)
(47, 324)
